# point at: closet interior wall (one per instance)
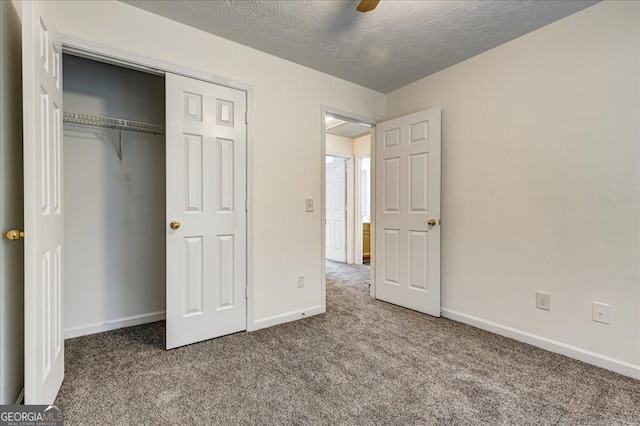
(114, 208)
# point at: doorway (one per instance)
(114, 198)
(347, 146)
(347, 140)
(364, 216)
(404, 176)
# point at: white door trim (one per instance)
(357, 209)
(336, 112)
(349, 185)
(372, 201)
(103, 53)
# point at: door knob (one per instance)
(174, 224)
(14, 234)
(432, 222)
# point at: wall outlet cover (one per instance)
(543, 300)
(600, 312)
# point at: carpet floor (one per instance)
(364, 362)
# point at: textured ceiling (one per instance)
(394, 45)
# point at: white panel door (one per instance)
(206, 194)
(407, 222)
(43, 275)
(336, 214)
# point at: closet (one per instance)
(114, 196)
(135, 198)
(137, 193)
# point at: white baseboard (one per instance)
(603, 361)
(20, 397)
(113, 324)
(284, 318)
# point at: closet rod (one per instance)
(112, 123)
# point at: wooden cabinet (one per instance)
(366, 242)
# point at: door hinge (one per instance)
(246, 205)
(246, 117)
(246, 292)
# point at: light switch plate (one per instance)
(308, 204)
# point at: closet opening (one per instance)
(114, 196)
(137, 202)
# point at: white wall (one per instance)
(286, 239)
(11, 207)
(541, 181)
(344, 146)
(340, 146)
(114, 210)
(362, 146)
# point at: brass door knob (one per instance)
(174, 224)
(14, 234)
(432, 222)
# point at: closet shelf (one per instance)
(112, 123)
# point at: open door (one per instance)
(206, 210)
(43, 210)
(407, 222)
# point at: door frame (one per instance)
(351, 116)
(357, 210)
(103, 53)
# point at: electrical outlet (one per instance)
(543, 300)
(600, 312)
(300, 281)
(308, 204)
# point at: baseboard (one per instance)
(113, 324)
(20, 398)
(284, 318)
(603, 361)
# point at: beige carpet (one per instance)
(364, 362)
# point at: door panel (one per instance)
(336, 215)
(43, 279)
(206, 193)
(408, 195)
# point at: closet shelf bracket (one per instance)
(119, 147)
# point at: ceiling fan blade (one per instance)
(367, 5)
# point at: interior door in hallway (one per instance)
(336, 214)
(407, 221)
(206, 210)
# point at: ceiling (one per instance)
(347, 128)
(396, 44)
